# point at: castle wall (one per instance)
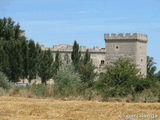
(97, 58)
(120, 49)
(129, 46)
(97, 54)
(141, 59)
(132, 46)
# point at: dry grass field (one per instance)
(16, 108)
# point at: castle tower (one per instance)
(129, 46)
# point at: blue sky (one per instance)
(51, 22)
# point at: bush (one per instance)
(2, 92)
(40, 90)
(4, 82)
(121, 79)
(67, 81)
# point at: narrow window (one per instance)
(102, 62)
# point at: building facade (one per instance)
(131, 46)
(97, 53)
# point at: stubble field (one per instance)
(16, 108)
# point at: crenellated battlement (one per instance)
(69, 48)
(127, 36)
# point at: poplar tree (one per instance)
(76, 55)
(46, 66)
(87, 70)
(31, 60)
(57, 63)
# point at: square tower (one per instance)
(129, 46)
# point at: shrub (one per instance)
(121, 79)
(2, 92)
(67, 81)
(4, 82)
(39, 90)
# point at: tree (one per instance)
(11, 49)
(46, 66)
(32, 60)
(67, 81)
(66, 59)
(76, 55)
(4, 65)
(151, 68)
(87, 58)
(8, 29)
(57, 63)
(4, 82)
(25, 64)
(87, 70)
(18, 56)
(121, 78)
(157, 75)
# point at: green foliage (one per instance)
(157, 75)
(121, 79)
(67, 81)
(151, 68)
(4, 65)
(8, 29)
(32, 60)
(46, 66)
(24, 53)
(11, 49)
(39, 90)
(66, 59)
(4, 82)
(19, 58)
(86, 70)
(87, 58)
(57, 63)
(76, 55)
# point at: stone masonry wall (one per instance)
(132, 46)
(97, 54)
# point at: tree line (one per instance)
(23, 59)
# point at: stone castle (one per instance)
(132, 46)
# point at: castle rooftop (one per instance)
(127, 36)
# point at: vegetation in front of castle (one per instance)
(74, 77)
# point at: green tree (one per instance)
(46, 66)
(76, 55)
(4, 65)
(32, 60)
(67, 81)
(66, 59)
(121, 78)
(4, 82)
(87, 58)
(25, 64)
(8, 29)
(10, 40)
(87, 70)
(151, 68)
(158, 76)
(57, 63)
(13, 50)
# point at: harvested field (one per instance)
(16, 108)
